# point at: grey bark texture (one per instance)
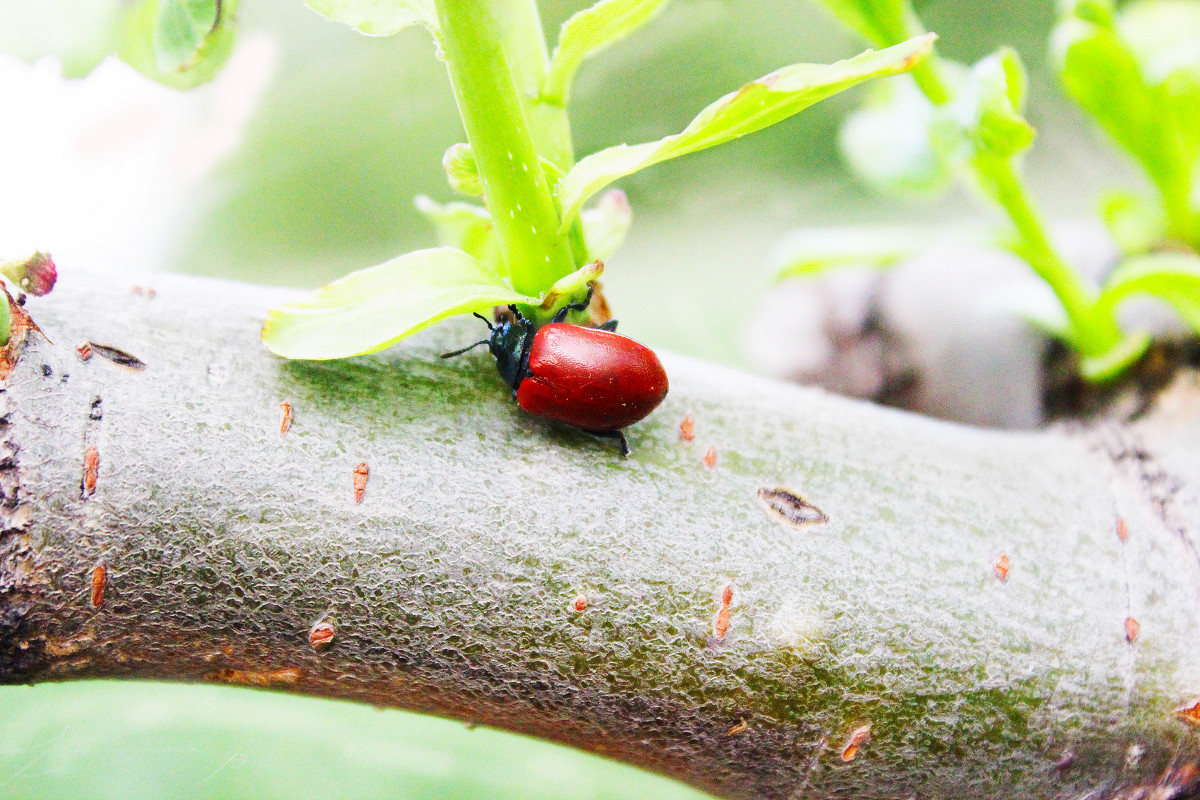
(456, 586)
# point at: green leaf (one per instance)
(606, 223)
(881, 22)
(587, 33)
(755, 106)
(1139, 78)
(985, 117)
(462, 172)
(1172, 277)
(79, 32)
(465, 227)
(1113, 363)
(152, 39)
(572, 287)
(809, 252)
(887, 141)
(378, 17)
(1136, 223)
(181, 32)
(374, 308)
(5, 321)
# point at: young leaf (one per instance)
(378, 17)
(1139, 77)
(462, 172)
(1173, 277)
(887, 143)
(756, 105)
(465, 227)
(809, 252)
(985, 117)
(158, 39)
(1136, 223)
(589, 32)
(79, 32)
(182, 30)
(606, 223)
(371, 309)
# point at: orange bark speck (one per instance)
(361, 473)
(246, 678)
(710, 457)
(687, 428)
(857, 738)
(99, 584)
(1001, 566)
(1122, 529)
(1132, 629)
(1190, 712)
(321, 635)
(91, 470)
(720, 624)
(285, 417)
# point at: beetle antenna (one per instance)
(486, 321)
(516, 312)
(465, 349)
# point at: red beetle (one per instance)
(592, 378)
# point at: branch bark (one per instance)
(508, 572)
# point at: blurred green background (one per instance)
(321, 181)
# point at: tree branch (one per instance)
(508, 572)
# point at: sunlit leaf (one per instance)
(1138, 76)
(182, 29)
(179, 60)
(887, 142)
(371, 309)
(465, 227)
(808, 252)
(79, 32)
(753, 107)
(587, 33)
(462, 171)
(985, 116)
(1136, 223)
(378, 17)
(1172, 277)
(606, 223)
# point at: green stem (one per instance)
(1176, 197)
(1092, 334)
(492, 107)
(524, 42)
(929, 73)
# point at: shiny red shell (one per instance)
(593, 379)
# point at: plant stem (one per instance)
(1093, 335)
(1089, 333)
(493, 113)
(451, 586)
(524, 43)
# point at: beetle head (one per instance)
(509, 344)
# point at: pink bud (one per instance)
(35, 274)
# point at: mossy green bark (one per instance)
(452, 586)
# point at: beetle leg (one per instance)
(587, 301)
(611, 325)
(619, 435)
